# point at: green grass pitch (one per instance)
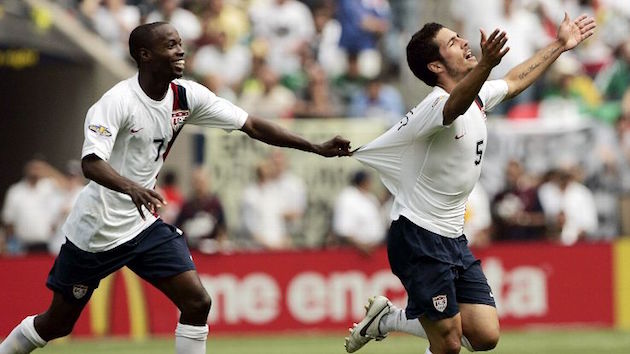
(521, 342)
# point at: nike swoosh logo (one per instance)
(363, 330)
(457, 137)
(133, 131)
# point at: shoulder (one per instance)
(193, 87)
(437, 98)
(119, 95)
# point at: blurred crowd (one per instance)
(290, 59)
(276, 58)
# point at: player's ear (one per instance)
(435, 66)
(145, 54)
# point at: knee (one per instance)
(486, 342)
(199, 304)
(452, 345)
(49, 329)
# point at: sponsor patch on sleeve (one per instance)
(100, 130)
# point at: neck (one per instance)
(448, 83)
(152, 85)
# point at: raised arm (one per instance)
(464, 93)
(570, 34)
(101, 172)
(273, 134)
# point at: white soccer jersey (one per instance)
(431, 168)
(133, 133)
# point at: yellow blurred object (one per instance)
(41, 17)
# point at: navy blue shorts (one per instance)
(157, 252)
(437, 272)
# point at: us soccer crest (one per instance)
(178, 118)
(440, 302)
(79, 291)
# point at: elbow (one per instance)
(87, 166)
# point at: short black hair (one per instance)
(422, 50)
(359, 177)
(142, 37)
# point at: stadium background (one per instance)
(53, 67)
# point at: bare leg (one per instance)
(35, 331)
(444, 335)
(190, 297)
(480, 324)
(187, 293)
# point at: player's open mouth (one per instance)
(179, 64)
(469, 55)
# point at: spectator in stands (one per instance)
(292, 191)
(221, 18)
(325, 45)
(526, 37)
(262, 211)
(478, 219)
(286, 25)
(230, 64)
(622, 145)
(317, 100)
(350, 83)
(263, 95)
(614, 79)
(568, 206)
(471, 15)
(570, 92)
(357, 219)
(31, 207)
(186, 22)
(363, 23)
(202, 218)
(173, 196)
(113, 20)
(74, 182)
(378, 100)
(516, 210)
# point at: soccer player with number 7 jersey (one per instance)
(114, 223)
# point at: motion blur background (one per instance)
(280, 235)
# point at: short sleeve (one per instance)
(102, 123)
(428, 116)
(493, 92)
(209, 110)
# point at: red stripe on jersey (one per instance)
(176, 107)
(175, 97)
(479, 103)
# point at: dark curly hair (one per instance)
(422, 50)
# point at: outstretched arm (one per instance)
(570, 34)
(273, 134)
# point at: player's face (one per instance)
(456, 54)
(168, 53)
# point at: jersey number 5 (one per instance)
(479, 152)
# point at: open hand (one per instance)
(572, 33)
(492, 50)
(336, 146)
(151, 200)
